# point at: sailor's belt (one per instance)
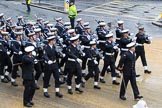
(15, 52)
(91, 58)
(102, 41)
(109, 54)
(117, 38)
(69, 59)
(139, 44)
(124, 49)
(86, 46)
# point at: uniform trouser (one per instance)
(116, 54)
(93, 71)
(38, 70)
(62, 62)
(29, 90)
(73, 68)
(8, 64)
(124, 84)
(16, 62)
(84, 59)
(72, 20)
(141, 53)
(51, 69)
(1, 69)
(109, 61)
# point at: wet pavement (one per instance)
(131, 12)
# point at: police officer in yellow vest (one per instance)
(28, 5)
(72, 13)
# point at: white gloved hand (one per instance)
(149, 38)
(131, 34)
(63, 55)
(82, 47)
(8, 52)
(61, 39)
(20, 52)
(115, 47)
(103, 57)
(33, 53)
(64, 46)
(95, 62)
(79, 60)
(98, 42)
(83, 54)
(134, 38)
(50, 62)
(35, 61)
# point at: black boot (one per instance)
(102, 80)
(78, 90)
(4, 80)
(58, 94)
(147, 72)
(123, 98)
(46, 95)
(70, 91)
(14, 84)
(115, 82)
(8, 78)
(138, 97)
(97, 87)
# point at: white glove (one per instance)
(134, 38)
(83, 54)
(61, 39)
(115, 47)
(103, 57)
(20, 52)
(95, 62)
(50, 62)
(33, 53)
(149, 38)
(8, 52)
(98, 42)
(79, 60)
(93, 39)
(63, 55)
(64, 46)
(82, 47)
(35, 61)
(131, 34)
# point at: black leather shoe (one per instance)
(83, 84)
(138, 97)
(108, 70)
(8, 78)
(138, 75)
(37, 87)
(4, 80)
(18, 75)
(102, 81)
(32, 103)
(70, 91)
(58, 94)
(62, 82)
(46, 95)
(97, 87)
(123, 98)
(118, 76)
(115, 82)
(78, 90)
(14, 84)
(28, 105)
(147, 72)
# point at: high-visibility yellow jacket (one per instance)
(72, 11)
(28, 1)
